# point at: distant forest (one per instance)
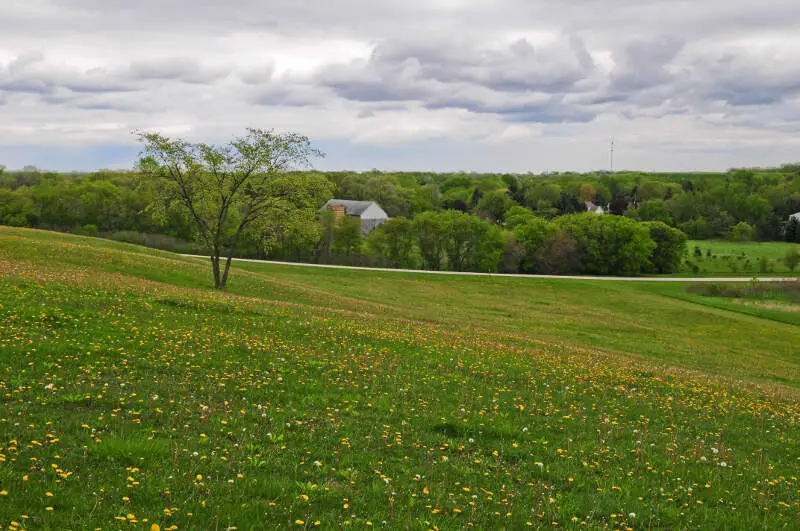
(464, 221)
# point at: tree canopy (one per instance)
(225, 188)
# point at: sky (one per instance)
(441, 85)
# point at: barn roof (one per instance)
(351, 208)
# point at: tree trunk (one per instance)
(215, 268)
(232, 251)
(225, 273)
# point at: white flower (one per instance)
(703, 459)
(317, 464)
(632, 515)
(524, 430)
(723, 464)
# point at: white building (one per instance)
(370, 213)
(595, 209)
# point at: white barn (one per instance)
(370, 213)
(595, 209)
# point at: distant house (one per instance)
(370, 213)
(595, 209)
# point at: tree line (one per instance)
(457, 221)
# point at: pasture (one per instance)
(133, 397)
(721, 257)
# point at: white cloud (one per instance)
(711, 83)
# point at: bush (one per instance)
(610, 245)
(533, 234)
(670, 247)
(88, 230)
(792, 259)
(394, 241)
(560, 255)
(742, 232)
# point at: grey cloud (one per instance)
(32, 73)
(745, 78)
(624, 62)
(259, 75)
(176, 69)
(517, 67)
(289, 95)
(643, 64)
(460, 75)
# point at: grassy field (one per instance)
(133, 396)
(738, 258)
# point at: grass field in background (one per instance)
(738, 258)
(316, 398)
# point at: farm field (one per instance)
(719, 257)
(134, 397)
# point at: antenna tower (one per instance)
(611, 155)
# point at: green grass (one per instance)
(134, 395)
(738, 258)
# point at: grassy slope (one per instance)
(366, 396)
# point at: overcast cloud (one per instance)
(502, 85)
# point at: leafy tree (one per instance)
(515, 188)
(395, 241)
(327, 229)
(389, 194)
(542, 196)
(792, 259)
(477, 196)
(696, 228)
(347, 236)
(655, 210)
(559, 255)
(533, 234)
(742, 232)
(670, 247)
(650, 190)
(613, 245)
(588, 192)
(458, 181)
(793, 231)
(496, 204)
(287, 231)
(517, 215)
(618, 205)
(430, 230)
(224, 189)
(425, 198)
(513, 253)
(491, 251)
(463, 238)
(569, 203)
